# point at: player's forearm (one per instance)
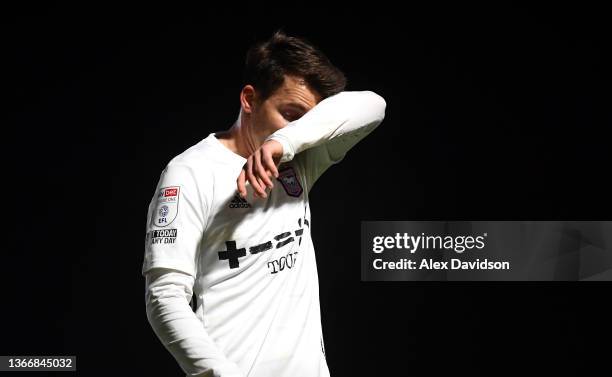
(180, 331)
(346, 115)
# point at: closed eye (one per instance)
(292, 111)
(290, 116)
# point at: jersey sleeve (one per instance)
(176, 220)
(323, 136)
(167, 297)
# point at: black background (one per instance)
(493, 113)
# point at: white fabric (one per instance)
(257, 314)
(338, 121)
(178, 328)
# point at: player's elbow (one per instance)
(165, 301)
(163, 286)
(378, 106)
(156, 298)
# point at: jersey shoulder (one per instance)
(200, 155)
(193, 168)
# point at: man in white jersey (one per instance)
(230, 221)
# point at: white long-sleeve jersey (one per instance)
(251, 264)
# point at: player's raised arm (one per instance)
(322, 135)
(339, 121)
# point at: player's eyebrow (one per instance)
(297, 106)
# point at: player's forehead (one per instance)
(296, 92)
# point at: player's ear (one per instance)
(247, 99)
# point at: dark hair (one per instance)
(267, 62)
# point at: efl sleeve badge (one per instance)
(167, 206)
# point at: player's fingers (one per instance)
(241, 184)
(257, 190)
(265, 195)
(261, 173)
(271, 175)
(269, 164)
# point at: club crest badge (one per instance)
(290, 182)
(167, 206)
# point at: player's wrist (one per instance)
(286, 149)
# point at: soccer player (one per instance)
(230, 221)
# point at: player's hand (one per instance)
(259, 168)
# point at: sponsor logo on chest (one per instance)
(234, 252)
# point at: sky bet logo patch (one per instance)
(162, 236)
(167, 206)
